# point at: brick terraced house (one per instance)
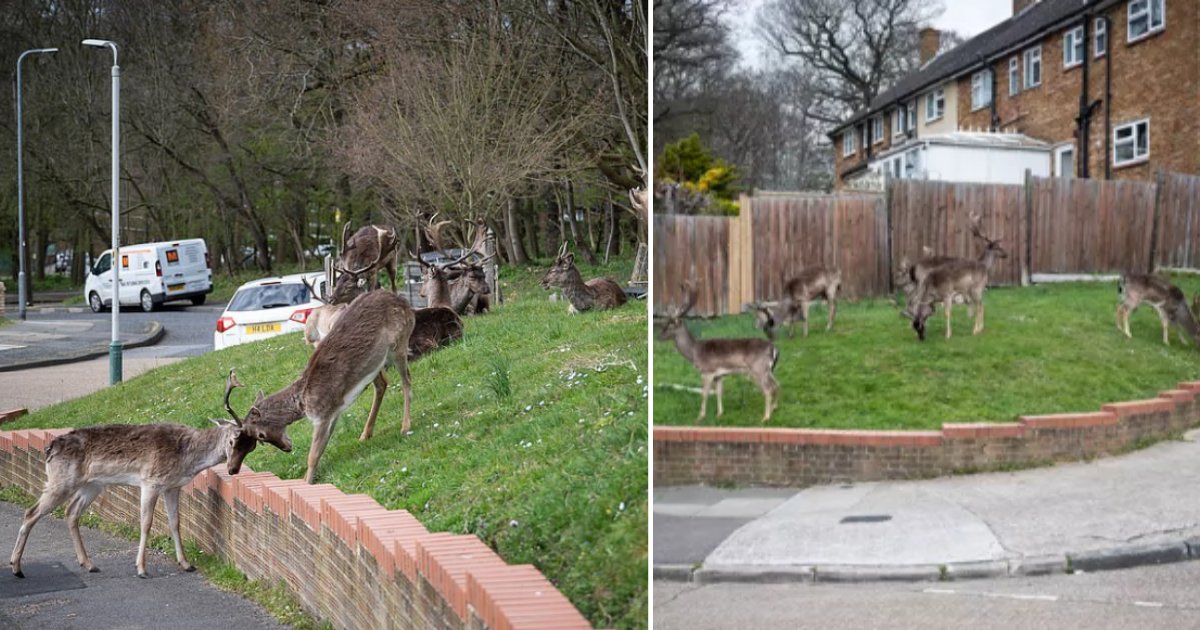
(1069, 88)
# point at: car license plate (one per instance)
(258, 329)
(175, 287)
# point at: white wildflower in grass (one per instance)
(621, 507)
(404, 469)
(513, 523)
(528, 407)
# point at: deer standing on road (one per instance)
(1166, 299)
(958, 277)
(372, 333)
(717, 358)
(159, 458)
(597, 293)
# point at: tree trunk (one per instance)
(587, 252)
(529, 226)
(609, 228)
(515, 248)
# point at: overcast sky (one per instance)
(968, 17)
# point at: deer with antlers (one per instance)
(597, 293)
(717, 358)
(957, 277)
(462, 282)
(371, 334)
(367, 252)
(158, 458)
(1166, 299)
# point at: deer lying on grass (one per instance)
(597, 293)
(372, 333)
(717, 358)
(367, 252)
(1166, 299)
(321, 319)
(958, 277)
(463, 280)
(159, 458)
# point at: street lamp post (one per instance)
(114, 346)
(22, 295)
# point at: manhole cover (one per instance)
(866, 518)
(40, 577)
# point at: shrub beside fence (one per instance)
(1048, 226)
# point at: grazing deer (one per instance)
(717, 358)
(367, 252)
(321, 319)
(372, 333)
(909, 275)
(598, 293)
(765, 317)
(813, 283)
(1166, 299)
(159, 458)
(958, 277)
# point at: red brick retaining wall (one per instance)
(803, 457)
(346, 558)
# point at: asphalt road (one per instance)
(189, 328)
(1150, 597)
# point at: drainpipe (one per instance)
(1107, 97)
(1081, 167)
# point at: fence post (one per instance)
(887, 213)
(1159, 182)
(745, 262)
(1027, 267)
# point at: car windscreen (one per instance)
(269, 296)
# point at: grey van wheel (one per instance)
(147, 301)
(95, 303)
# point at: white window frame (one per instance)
(1033, 58)
(1058, 152)
(911, 110)
(981, 90)
(898, 122)
(877, 129)
(848, 142)
(935, 100)
(864, 132)
(1014, 76)
(1146, 12)
(1073, 51)
(1137, 158)
(1099, 29)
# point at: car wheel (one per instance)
(147, 302)
(199, 300)
(95, 302)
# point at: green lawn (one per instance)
(531, 434)
(1046, 349)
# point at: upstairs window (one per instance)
(935, 105)
(898, 122)
(1073, 47)
(1033, 67)
(1101, 41)
(848, 142)
(877, 129)
(1146, 17)
(863, 132)
(1131, 142)
(981, 89)
(1014, 76)
(912, 116)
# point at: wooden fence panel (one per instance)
(1091, 226)
(1179, 222)
(695, 249)
(937, 215)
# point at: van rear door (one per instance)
(184, 269)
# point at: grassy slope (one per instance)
(1046, 349)
(530, 434)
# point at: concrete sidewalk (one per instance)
(38, 343)
(1116, 512)
(56, 593)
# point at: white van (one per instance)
(151, 274)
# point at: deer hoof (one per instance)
(93, 569)
(189, 569)
(143, 575)
(18, 574)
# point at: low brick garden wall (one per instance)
(346, 558)
(805, 457)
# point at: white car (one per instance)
(268, 307)
(152, 273)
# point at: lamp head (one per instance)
(99, 43)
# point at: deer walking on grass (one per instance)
(1166, 299)
(597, 293)
(372, 333)
(958, 277)
(159, 458)
(717, 358)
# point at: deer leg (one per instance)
(149, 498)
(704, 387)
(946, 307)
(978, 317)
(321, 432)
(720, 383)
(83, 498)
(832, 304)
(51, 498)
(769, 388)
(406, 381)
(171, 501)
(381, 384)
(1123, 313)
(804, 306)
(1166, 324)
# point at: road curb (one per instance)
(1123, 557)
(148, 338)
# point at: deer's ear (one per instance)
(259, 398)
